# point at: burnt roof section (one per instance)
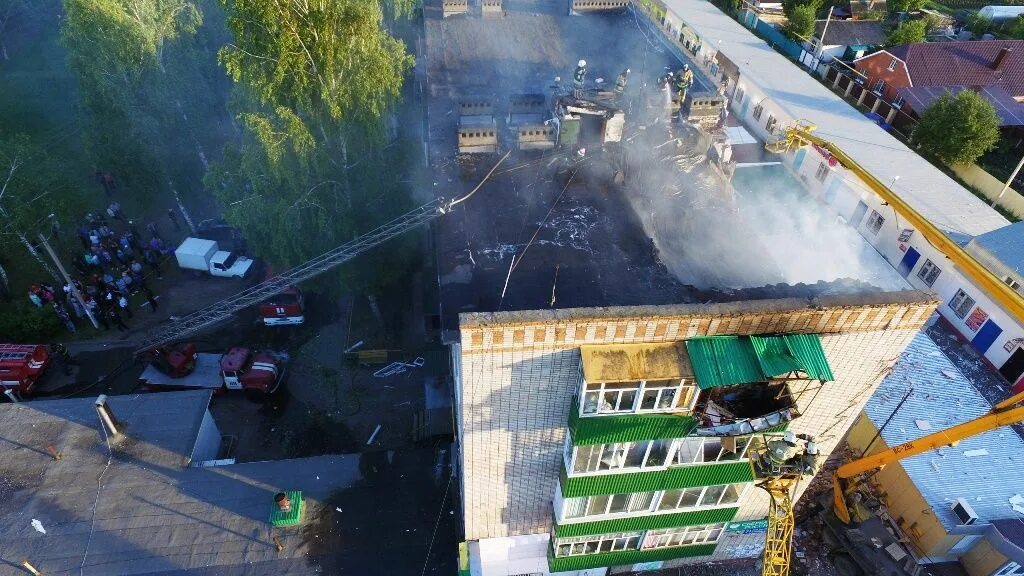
(631, 362)
(138, 508)
(523, 241)
(851, 32)
(965, 64)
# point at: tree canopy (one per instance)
(800, 23)
(957, 130)
(910, 32)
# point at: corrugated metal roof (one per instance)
(1006, 245)
(774, 355)
(723, 361)
(811, 356)
(944, 397)
(673, 478)
(632, 362)
(646, 522)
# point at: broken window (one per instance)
(622, 456)
(738, 95)
(928, 272)
(770, 125)
(875, 222)
(757, 111)
(698, 450)
(961, 303)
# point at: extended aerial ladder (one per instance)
(801, 134)
(779, 538)
(215, 313)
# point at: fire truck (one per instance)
(182, 367)
(21, 366)
(284, 309)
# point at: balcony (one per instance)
(671, 478)
(624, 557)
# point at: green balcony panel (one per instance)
(646, 522)
(669, 479)
(625, 557)
(627, 427)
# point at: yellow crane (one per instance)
(801, 134)
(779, 538)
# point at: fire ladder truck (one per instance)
(211, 315)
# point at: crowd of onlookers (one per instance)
(112, 268)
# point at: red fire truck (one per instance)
(284, 309)
(21, 366)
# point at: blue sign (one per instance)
(644, 566)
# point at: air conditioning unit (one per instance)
(964, 513)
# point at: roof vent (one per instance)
(110, 424)
(964, 513)
(1001, 59)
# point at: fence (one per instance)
(990, 187)
(777, 39)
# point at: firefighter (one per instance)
(578, 78)
(684, 79)
(811, 460)
(620, 81)
(782, 450)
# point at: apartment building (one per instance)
(596, 441)
(769, 93)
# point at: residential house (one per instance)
(846, 39)
(956, 503)
(911, 76)
(867, 9)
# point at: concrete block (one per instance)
(583, 6)
(453, 7)
(492, 7)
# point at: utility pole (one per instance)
(67, 279)
(1009, 181)
(821, 41)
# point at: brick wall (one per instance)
(876, 67)
(519, 372)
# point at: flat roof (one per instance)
(983, 469)
(525, 241)
(1006, 245)
(135, 507)
(632, 362)
(927, 189)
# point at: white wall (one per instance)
(207, 441)
(517, 555)
(842, 198)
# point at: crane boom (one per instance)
(1005, 413)
(213, 314)
(1009, 299)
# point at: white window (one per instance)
(879, 87)
(606, 504)
(1010, 569)
(822, 172)
(701, 497)
(898, 102)
(892, 64)
(961, 303)
(623, 456)
(875, 222)
(757, 111)
(928, 272)
(643, 396)
(597, 544)
(1012, 283)
(698, 450)
(686, 536)
(770, 125)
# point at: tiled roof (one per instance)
(940, 397)
(964, 64)
(1010, 112)
(851, 32)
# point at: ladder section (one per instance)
(216, 313)
(778, 544)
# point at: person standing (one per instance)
(173, 217)
(122, 303)
(150, 299)
(579, 77)
(115, 318)
(620, 82)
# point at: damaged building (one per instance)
(622, 335)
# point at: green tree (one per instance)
(979, 25)
(909, 32)
(1014, 28)
(957, 130)
(800, 24)
(314, 82)
(897, 6)
(24, 323)
(32, 195)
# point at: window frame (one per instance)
(580, 509)
(614, 546)
(927, 270)
(875, 222)
(738, 95)
(821, 174)
(702, 534)
(897, 102)
(893, 63)
(1010, 568)
(758, 111)
(1011, 282)
(701, 450)
(956, 303)
(771, 123)
(619, 452)
(879, 88)
(684, 397)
